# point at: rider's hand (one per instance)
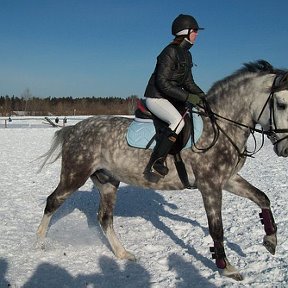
(195, 99)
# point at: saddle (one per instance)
(145, 129)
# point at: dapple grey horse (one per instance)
(97, 148)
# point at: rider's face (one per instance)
(192, 36)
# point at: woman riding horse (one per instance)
(170, 85)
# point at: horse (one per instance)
(254, 96)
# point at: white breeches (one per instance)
(165, 111)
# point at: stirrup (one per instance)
(162, 167)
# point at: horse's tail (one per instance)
(58, 140)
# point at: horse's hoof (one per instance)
(130, 256)
(231, 272)
(235, 276)
(127, 255)
(270, 242)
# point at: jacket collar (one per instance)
(186, 44)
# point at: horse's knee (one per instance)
(263, 200)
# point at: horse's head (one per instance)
(275, 115)
(255, 94)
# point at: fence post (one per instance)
(5, 123)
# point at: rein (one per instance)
(208, 113)
(217, 128)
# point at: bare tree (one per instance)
(132, 104)
(26, 95)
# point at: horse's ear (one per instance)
(284, 80)
(281, 82)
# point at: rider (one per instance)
(170, 85)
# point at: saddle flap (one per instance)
(140, 132)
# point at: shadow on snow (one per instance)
(131, 202)
(133, 275)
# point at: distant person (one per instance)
(56, 120)
(172, 85)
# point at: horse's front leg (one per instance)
(213, 203)
(239, 186)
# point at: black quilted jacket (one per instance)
(172, 78)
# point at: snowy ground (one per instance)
(166, 230)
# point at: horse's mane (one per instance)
(260, 67)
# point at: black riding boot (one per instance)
(156, 163)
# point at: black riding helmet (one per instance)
(183, 22)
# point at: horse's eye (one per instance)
(281, 105)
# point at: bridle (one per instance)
(271, 133)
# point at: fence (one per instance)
(46, 121)
(39, 122)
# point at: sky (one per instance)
(108, 48)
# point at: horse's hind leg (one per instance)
(53, 202)
(239, 186)
(64, 189)
(107, 187)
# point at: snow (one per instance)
(166, 230)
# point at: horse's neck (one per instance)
(232, 107)
(233, 111)
(245, 103)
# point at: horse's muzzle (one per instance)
(282, 153)
(280, 146)
(280, 149)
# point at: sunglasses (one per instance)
(194, 31)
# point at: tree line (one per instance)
(35, 106)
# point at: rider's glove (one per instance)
(195, 99)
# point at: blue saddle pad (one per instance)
(141, 131)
